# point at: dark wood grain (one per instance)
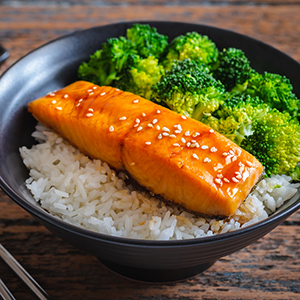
(25, 29)
(147, 2)
(267, 269)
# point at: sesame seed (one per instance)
(148, 143)
(133, 163)
(166, 129)
(90, 109)
(238, 176)
(159, 136)
(140, 128)
(183, 117)
(249, 163)
(90, 90)
(51, 94)
(188, 144)
(231, 152)
(206, 159)
(158, 111)
(211, 131)
(143, 114)
(58, 108)
(94, 87)
(193, 145)
(220, 176)
(137, 121)
(213, 149)
(226, 180)
(234, 158)
(136, 125)
(196, 134)
(195, 156)
(179, 127)
(187, 133)
(122, 118)
(102, 94)
(89, 115)
(66, 96)
(173, 136)
(177, 131)
(204, 147)
(165, 133)
(224, 153)
(53, 101)
(176, 145)
(150, 125)
(135, 101)
(234, 179)
(183, 140)
(157, 127)
(80, 100)
(154, 121)
(218, 180)
(111, 129)
(193, 141)
(117, 89)
(92, 93)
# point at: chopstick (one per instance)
(5, 292)
(23, 274)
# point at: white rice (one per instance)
(87, 193)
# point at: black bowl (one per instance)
(53, 66)
(4, 54)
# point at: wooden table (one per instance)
(267, 269)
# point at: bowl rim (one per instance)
(43, 215)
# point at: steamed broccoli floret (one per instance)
(189, 89)
(236, 115)
(107, 65)
(192, 45)
(273, 137)
(146, 40)
(275, 142)
(104, 65)
(140, 76)
(232, 68)
(275, 90)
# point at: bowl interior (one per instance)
(55, 65)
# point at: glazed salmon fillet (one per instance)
(173, 156)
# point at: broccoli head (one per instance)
(273, 137)
(104, 65)
(232, 68)
(192, 45)
(146, 40)
(275, 90)
(189, 89)
(139, 77)
(275, 142)
(236, 115)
